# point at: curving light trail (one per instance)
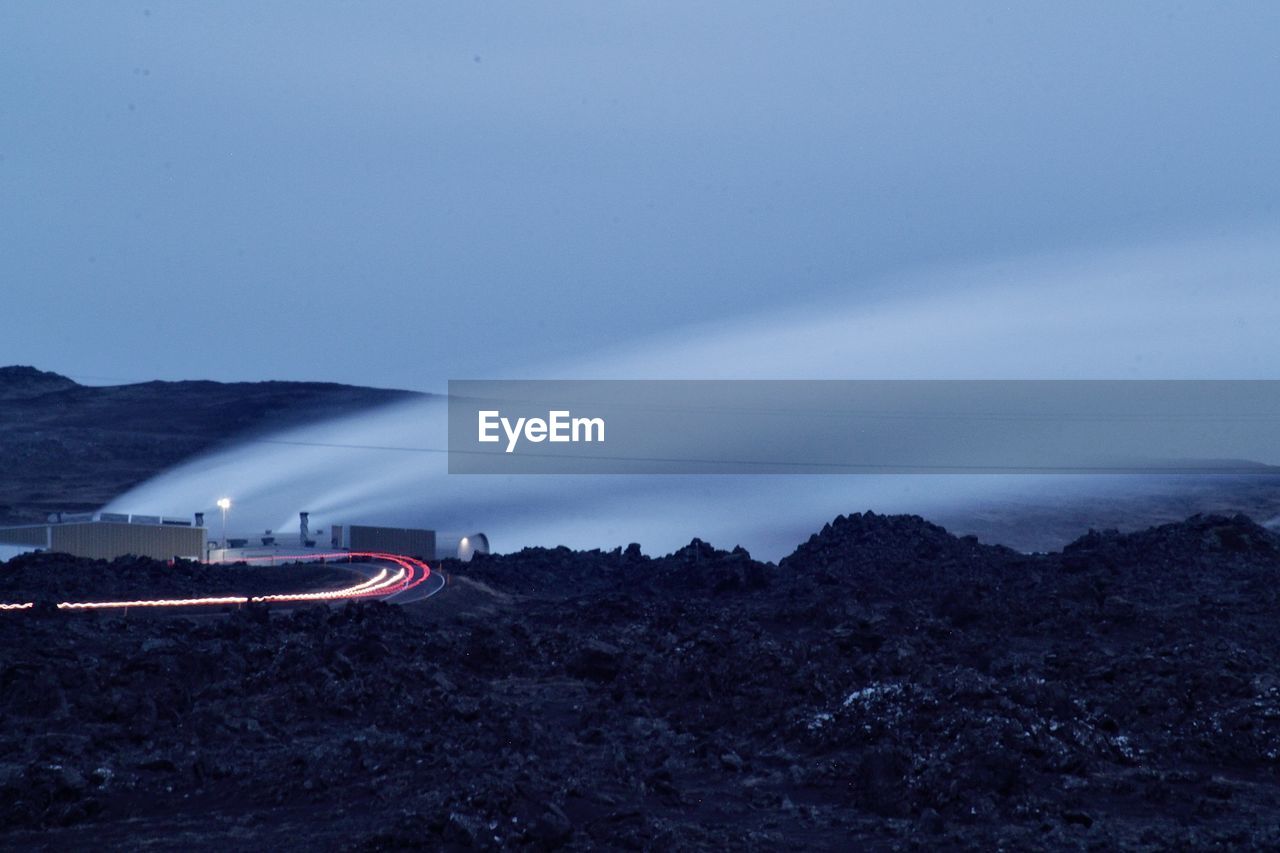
(408, 573)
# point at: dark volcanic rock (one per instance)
(888, 686)
(21, 382)
(597, 660)
(49, 578)
(879, 552)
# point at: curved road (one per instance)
(394, 578)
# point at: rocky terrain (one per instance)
(46, 579)
(887, 686)
(65, 446)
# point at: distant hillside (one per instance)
(70, 446)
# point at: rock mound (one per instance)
(22, 381)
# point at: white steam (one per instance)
(1200, 309)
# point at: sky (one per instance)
(397, 194)
(1186, 309)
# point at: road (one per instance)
(393, 578)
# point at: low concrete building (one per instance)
(105, 536)
(411, 541)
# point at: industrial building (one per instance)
(105, 536)
(394, 540)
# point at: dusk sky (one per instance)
(399, 194)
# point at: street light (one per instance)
(224, 504)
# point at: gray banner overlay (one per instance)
(863, 426)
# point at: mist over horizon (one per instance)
(1195, 309)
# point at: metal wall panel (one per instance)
(37, 536)
(395, 540)
(107, 540)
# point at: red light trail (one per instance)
(408, 573)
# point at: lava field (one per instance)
(46, 579)
(887, 686)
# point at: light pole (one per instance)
(224, 504)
